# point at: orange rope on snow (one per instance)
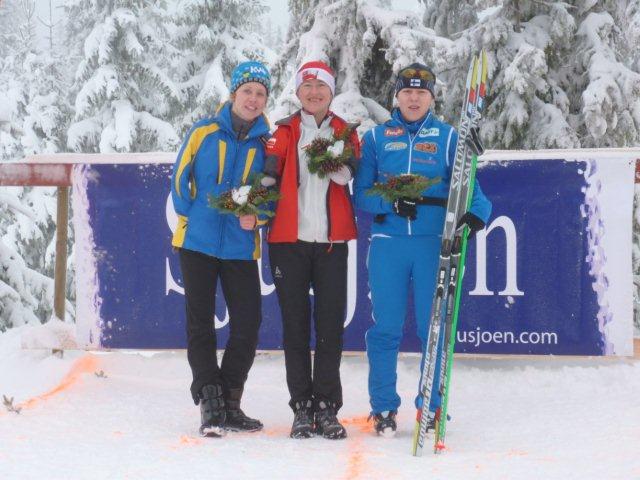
(86, 364)
(356, 464)
(361, 423)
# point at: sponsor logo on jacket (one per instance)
(426, 147)
(426, 161)
(429, 132)
(393, 132)
(394, 146)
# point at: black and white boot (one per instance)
(212, 411)
(326, 422)
(236, 420)
(385, 423)
(302, 420)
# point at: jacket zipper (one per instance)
(328, 201)
(224, 218)
(411, 157)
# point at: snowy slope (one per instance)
(516, 419)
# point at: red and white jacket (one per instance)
(282, 159)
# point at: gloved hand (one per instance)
(406, 207)
(342, 176)
(474, 142)
(474, 223)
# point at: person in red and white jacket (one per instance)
(314, 220)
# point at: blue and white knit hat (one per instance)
(250, 72)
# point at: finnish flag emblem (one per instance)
(415, 82)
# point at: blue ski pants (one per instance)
(395, 262)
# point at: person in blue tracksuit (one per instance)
(221, 153)
(405, 236)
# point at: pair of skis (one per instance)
(446, 298)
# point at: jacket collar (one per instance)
(296, 117)
(396, 119)
(223, 118)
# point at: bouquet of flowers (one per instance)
(328, 155)
(407, 185)
(246, 200)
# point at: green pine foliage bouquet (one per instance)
(408, 185)
(253, 199)
(326, 155)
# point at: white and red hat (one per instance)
(316, 70)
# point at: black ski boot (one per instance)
(212, 411)
(237, 421)
(431, 419)
(327, 423)
(385, 423)
(302, 420)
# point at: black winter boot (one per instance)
(237, 421)
(385, 423)
(302, 420)
(212, 411)
(327, 423)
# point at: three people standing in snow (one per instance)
(314, 220)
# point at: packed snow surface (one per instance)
(117, 415)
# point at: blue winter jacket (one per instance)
(390, 150)
(212, 161)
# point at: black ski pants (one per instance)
(241, 288)
(295, 268)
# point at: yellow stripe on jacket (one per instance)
(180, 233)
(257, 251)
(247, 164)
(195, 140)
(222, 152)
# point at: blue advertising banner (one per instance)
(537, 281)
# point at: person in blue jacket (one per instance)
(405, 236)
(220, 153)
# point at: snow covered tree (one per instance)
(24, 293)
(562, 72)
(607, 89)
(528, 45)
(123, 95)
(27, 245)
(210, 38)
(271, 34)
(32, 89)
(365, 42)
(449, 17)
(33, 120)
(301, 14)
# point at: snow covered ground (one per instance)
(515, 419)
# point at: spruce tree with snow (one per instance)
(365, 42)
(607, 90)
(32, 89)
(529, 46)
(301, 19)
(449, 17)
(26, 294)
(123, 97)
(33, 120)
(210, 38)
